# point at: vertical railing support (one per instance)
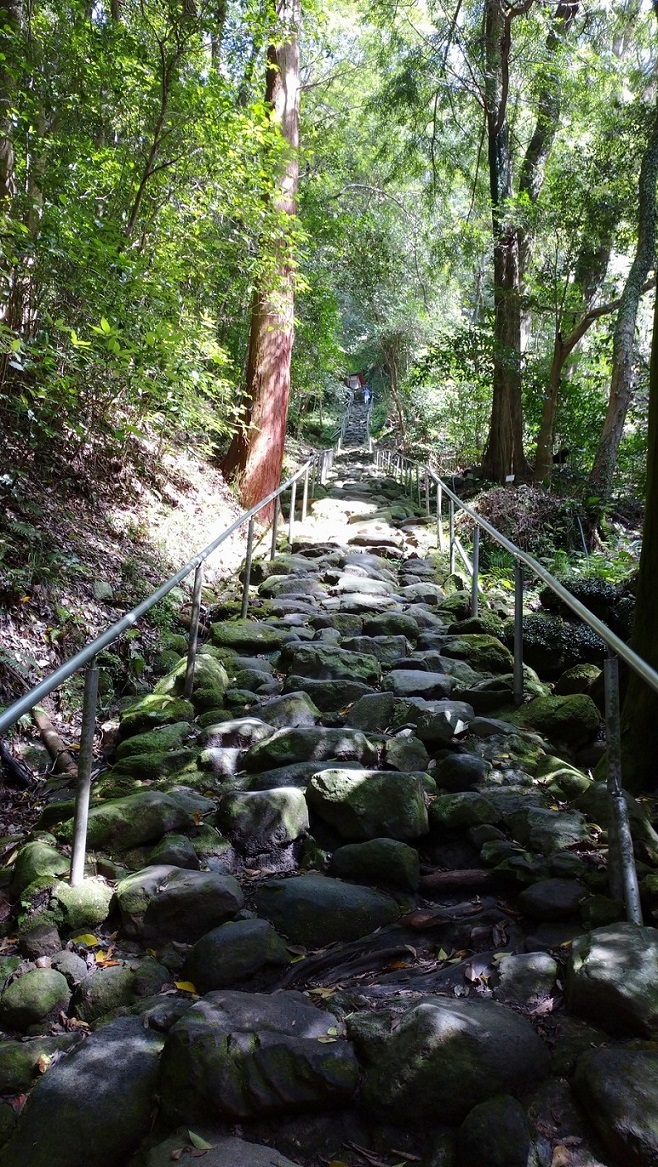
(275, 526)
(247, 568)
(440, 541)
(451, 534)
(518, 633)
(85, 761)
(194, 632)
(475, 595)
(291, 516)
(427, 494)
(621, 862)
(305, 494)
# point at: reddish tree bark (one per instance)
(255, 455)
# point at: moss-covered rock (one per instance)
(384, 862)
(152, 710)
(155, 741)
(369, 804)
(247, 636)
(573, 719)
(84, 906)
(33, 1000)
(577, 679)
(486, 653)
(129, 822)
(34, 860)
(103, 991)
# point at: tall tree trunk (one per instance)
(599, 483)
(591, 266)
(640, 711)
(256, 452)
(10, 23)
(531, 178)
(504, 454)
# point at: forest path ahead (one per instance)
(339, 905)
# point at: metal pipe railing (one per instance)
(87, 657)
(621, 863)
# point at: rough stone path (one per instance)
(346, 906)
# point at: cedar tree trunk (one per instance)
(256, 452)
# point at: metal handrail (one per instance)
(314, 470)
(623, 874)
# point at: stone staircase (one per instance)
(355, 432)
(348, 906)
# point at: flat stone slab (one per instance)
(314, 910)
(419, 683)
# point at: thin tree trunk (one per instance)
(599, 483)
(504, 454)
(256, 452)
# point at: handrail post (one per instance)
(621, 862)
(314, 469)
(305, 495)
(518, 632)
(291, 516)
(194, 632)
(275, 527)
(427, 494)
(85, 762)
(440, 541)
(451, 533)
(247, 568)
(475, 603)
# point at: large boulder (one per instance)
(385, 648)
(326, 662)
(233, 952)
(259, 822)
(612, 978)
(369, 804)
(237, 1055)
(314, 910)
(442, 1057)
(314, 744)
(123, 823)
(618, 1088)
(93, 1105)
(171, 903)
